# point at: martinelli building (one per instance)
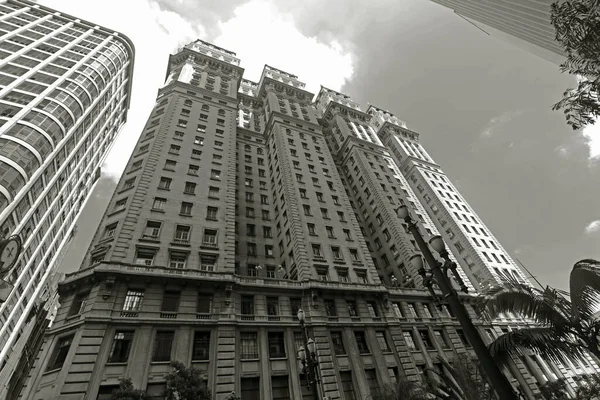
(64, 93)
(244, 202)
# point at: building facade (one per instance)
(524, 23)
(64, 94)
(242, 203)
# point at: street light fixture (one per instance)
(310, 364)
(437, 275)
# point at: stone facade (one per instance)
(242, 203)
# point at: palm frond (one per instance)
(584, 284)
(546, 342)
(546, 307)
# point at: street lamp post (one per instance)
(437, 274)
(310, 364)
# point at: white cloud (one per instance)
(592, 227)
(495, 122)
(260, 34)
(592, 134)
(156, 33)
(257, 32)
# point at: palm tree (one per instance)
(564, 329)
(462, 380)
(403, 390)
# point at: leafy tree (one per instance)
(127, 392)
(403, 390)
(463, 380)
(577, 25)
(554, 390)
(185, 383)
(564, 330)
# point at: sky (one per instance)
(481, 105)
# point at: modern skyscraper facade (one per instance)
(64, 94)
(242, 203)
(525, 23)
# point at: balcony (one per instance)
(168, 314)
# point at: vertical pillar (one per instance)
(225, 362)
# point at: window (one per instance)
(193, 170)
(330, 308)
(338, 344)
(170, 165)
(119, 352)
(337, 254)
(276, 344)
(307, 210)
(250, 388)
(303, 194)
(197, 154)
(199, 140)
(202, 129)
(190, 188)
(341, 216)
(397, 310)
(352, 308)
(463, 338)
(170, 302)
(317, 250)
(209, 238)
(249, 345)
(186, 208)
(215, 174)
(347, 385)
(441, 339)
(208, 262)
(324, 213)
(120, 205)
(250, 212)
(213, 192)
(347, 234)
(267, 231)
(273, 308)
(182, 234)
(145, 256)
(410, 342)
(247, 306)
(159, 204)
(177, 260)
(372, 307)
(382, 341)
(426, 339)
(152, 230)
(412, 312)
(163, 342)
(78, 304)
(133, 300)
(330, 234)
(204, 304)
(201, 347)
(211, 213)
(265, 215)
(128, 183)
(60, 353)
(362, 277)
(174, 149)
(343, 275)
(361, 342)
(354, 255)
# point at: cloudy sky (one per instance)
(482, 106)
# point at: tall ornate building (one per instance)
(64, 94)
(242, 203)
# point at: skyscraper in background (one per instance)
(64, 94)
(244, 202)
(524, 23)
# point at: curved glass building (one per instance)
(64, 93)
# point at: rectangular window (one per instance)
(193, 170)
(352, 308)
(78, 304)
(170, 302)
(145, 256)
(249, 345)
(338, 344)
(382, 341)
(152, 230)
(120, 205)
(170, 165)
(163, 342)
(330, 308)
(410, 342)
(211, 213)
(439, 336)
(276, 345)
(361, 342)
(177, 260)
(209, 238)
(426, 339)
(190, 188)
(182, 234)
(247, 306)
(186, 208)
(60, 353)
(347, 385)
(213, 192)
(159, 204)
(372, 307)
(121, 346)
(133, 300)
(215, 174)
(273, 308)
(201, 347)
(204, 304)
